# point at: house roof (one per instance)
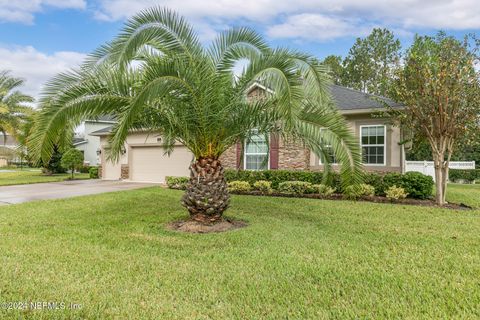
(349, 99)
(78, 141)
(104, 118)
(102, 132)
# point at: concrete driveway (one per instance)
(66, 189)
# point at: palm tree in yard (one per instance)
(156, 75)
(13, 108)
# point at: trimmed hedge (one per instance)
(179, 183)
(93, 172)
(354, 192)
(278, 176)
(295, 187)
(416, 184)
(239, 186)
(468, 175)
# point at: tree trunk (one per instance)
(206, 197)
(444, 183)
(440, 179)
(73, 170)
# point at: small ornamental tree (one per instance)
(72, 159)
(441, 91)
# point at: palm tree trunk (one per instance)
(206, 197)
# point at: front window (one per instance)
(373, 144)
(328, 153)
(256, 152)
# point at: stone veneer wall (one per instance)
(292, 155)
(125, 174)
(229, 158)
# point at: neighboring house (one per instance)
(144, 159)
(88, 144)
(8, 149)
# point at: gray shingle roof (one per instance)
(349, 99)
(77, 141)
(102, 132)
(108, 118)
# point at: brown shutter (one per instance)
(239, 155)
(273, 151)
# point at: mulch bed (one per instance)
(376, 199)
(197, 227)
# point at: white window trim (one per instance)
(375, 145)
(255, 154)
(320, 158)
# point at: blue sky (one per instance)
(39, 38)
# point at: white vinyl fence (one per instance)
(427, 167)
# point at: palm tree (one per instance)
(156, 76)
(13, 108)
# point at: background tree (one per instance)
(336, 70)
(371, 62)
(53, 164)
(441, 91)
(72, 159)
(14, 107)
(23, 136)
(157, 76)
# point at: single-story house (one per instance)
(144, 160)
(90, 144)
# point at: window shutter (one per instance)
(239, 155)
(273, 151)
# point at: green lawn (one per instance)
(33, 176)
(298, 259)
(464, 193)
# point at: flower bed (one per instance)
(375, 199)
(412, 188)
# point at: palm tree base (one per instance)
(192, 226)
(206, 197)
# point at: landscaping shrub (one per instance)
(354, 192)
(322, 189)
(179, 183)
(263, 186)
(84, 169)
(295, 187)
(93, 172)
(396, 193)
(376, 180)
(416, 184)
(468, 175)
(278, 176)
(239, 186)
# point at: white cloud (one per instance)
(316, 27)
(36, 67)
(23, 10)
(333, 18)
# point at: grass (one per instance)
(298, 259)
(464, 193)
(28, 176)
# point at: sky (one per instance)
(40, 38)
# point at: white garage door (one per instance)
(150, 164)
